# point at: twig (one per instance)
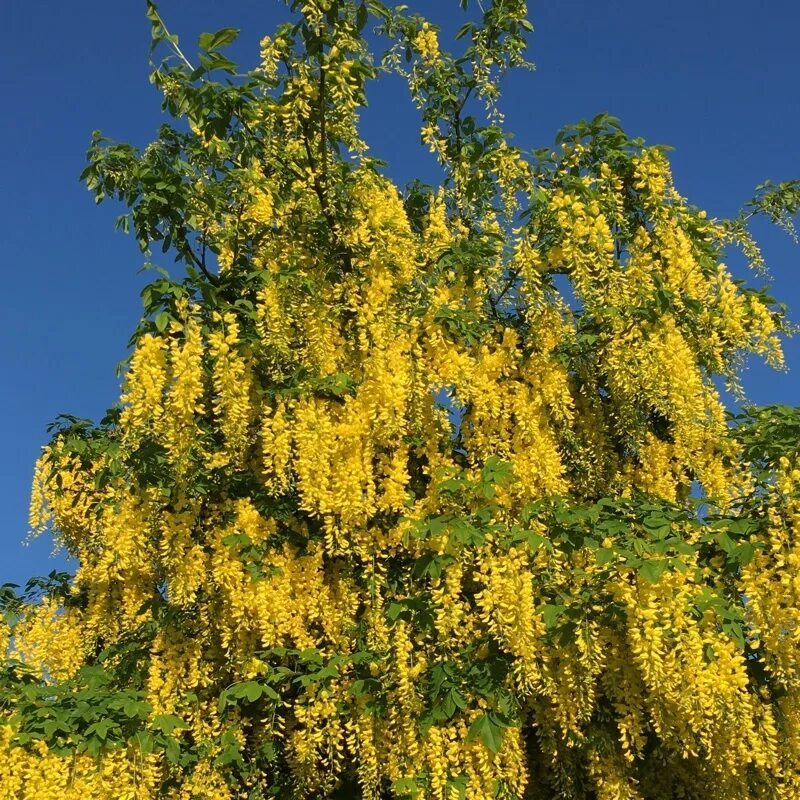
(170, 38)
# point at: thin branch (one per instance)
(288, 65)
(188, 252)
(283, 164)
(202, 267)
(239, 211)
(312, 163)
(171, 39)
(319, 190)
(494, 302)
(323, 141)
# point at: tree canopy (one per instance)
(423, 493)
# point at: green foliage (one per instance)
(187, 194)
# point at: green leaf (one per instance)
(466, 28)
(221, 38)
(167, 723)
(270, 692)
(144, 741)
(394, 610)
(172, 750)
(490, 733)
(311, 656)
(364, 687)
(605, 555)
(362, 15)
(550, 614)
(726, 543)
(431, 564)
(162, 320)
(247, 690)
(215, 60)
(651, 570)
(655, 522)
(136, 708)
(101, 728)
(452, 702)
(235, 539)
(94, 745)
(405, 787)
(744, 553)
(252, 691)
(496, 471)
(229, 755)
(326, 672)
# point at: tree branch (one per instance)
(169, 37)
(495, 301)
(323, 137)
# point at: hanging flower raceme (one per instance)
(424, 493)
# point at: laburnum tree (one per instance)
(423, 493)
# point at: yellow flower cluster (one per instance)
(36, 774)
(286, 487)
(232, 385)
(427, 43)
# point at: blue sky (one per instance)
(717, 80)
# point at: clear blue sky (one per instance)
(717, 80)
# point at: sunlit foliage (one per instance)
(424, 493)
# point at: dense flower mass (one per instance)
(418, 494)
